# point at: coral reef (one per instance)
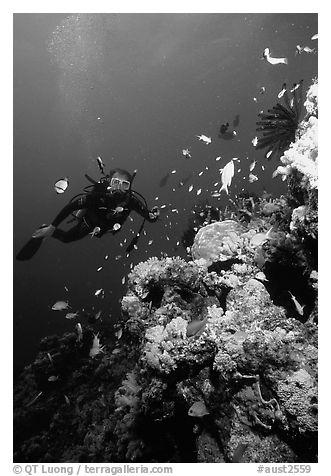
(217, 356)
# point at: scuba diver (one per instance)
(98, 211)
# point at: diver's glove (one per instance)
(154, 213)
(44, 231)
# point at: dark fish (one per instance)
(236, 121)
(239, 452)
(164, 180)
(224, 128)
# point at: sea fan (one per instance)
(281, 123)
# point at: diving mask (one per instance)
(117, 184)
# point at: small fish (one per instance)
(98, 291)
(271, 60)
(255, 99)
(95, 232)
(239, 452)
(96, 347)
(306, 49)
(61, 185)
(282, 92)
(60, 306)
(97, 316)
(99, 269)
(195, 327)
(199, 191)
(118, 210)
(252, 178)
(116, 351)
(255, 141)
(35, 399)
(295, 87)
(66, 289)
(227, 175)
(53, 378)
(205, 139)
(269, 153)
(123, 280)
(218, 158)
(200, 173)
(315, 37)
(261, 276)
(298, 306)
(190, 188)
(66, 399)
(260, 238)
(150, 242)
(186, 153)
(252, 165)
(118, 333)
(116, 226)
(216, 195)
(50, 358)
(100, 164)
(262, 90)
(79, 332)
(72, 315)
(198, 409)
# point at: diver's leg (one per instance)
(75, 233)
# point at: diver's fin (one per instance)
(29, 249)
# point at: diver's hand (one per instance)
(43, 231)
(154, 213)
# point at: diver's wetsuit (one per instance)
(99, 211)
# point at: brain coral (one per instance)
(218, 241)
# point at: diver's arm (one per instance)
(139, 207)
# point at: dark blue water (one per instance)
(135, 89)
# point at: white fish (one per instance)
(79, 332)
(298, 306)
(200, 173)
(199, 191)
(259, 238)
(295, 87)
(260, 276)
(98, 291)
(173, 171)
(65, 287)
(252, 165)
(118, 210)
(34, 399)
(97, 316)
(254, 99)
(163, 206)
(118, 333)
(205, 139)
(106, 257)
(72, 315)
(227, 175)
(216, 194)
(150, 242)
(53, 378)
(282, 92)
(61, 185)
(123, 280)
(218, 158)
(186, 153)
(198, 409)
(96, 347)
(315, 37)
(100, 164)
(96, 231)
(99, 269)
(306, 49)
(116, 226)
(252, 178)
(255, 141)
(190, 188)
(271, 60)
(262, 90)
(60, 306)
(66, 399)
(269, 153)
(50, 358)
